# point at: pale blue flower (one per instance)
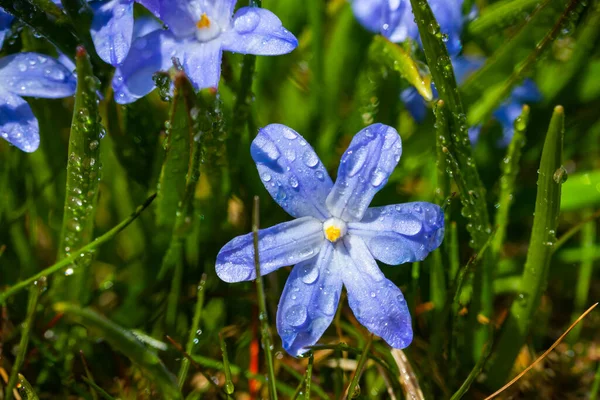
(29, 74)
(505, 114)
(335, 238)
(394, 19)
(198, 33)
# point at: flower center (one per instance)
(207, 29)
(334, 229)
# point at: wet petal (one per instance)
(309, 301)
(151, 5)
(364, 170)
(401, 233)
(285, 244)
(112, 30)
(377, 303)
(291, 171)
(5, 23)
(178, 16)
(18, 125)
(148, 55)
(414, 103)
(144, 26)
(202, 63)
(36, 75)
(258, 31)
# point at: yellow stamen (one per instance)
(204, 22)
(332, 233)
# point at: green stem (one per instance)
(185, 364)
(267, 340)
(229, 388)
(308, 379)
(510, 170)
(26, 331)
(359, 368)
(543, 238)
(74, 255)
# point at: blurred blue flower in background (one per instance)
(29, 74)
(199, 31)
(112, 28)
(335, 237)
(5, 22)
(505, 114)
(394, 19)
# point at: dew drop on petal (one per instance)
(310, 159)
(296, 315)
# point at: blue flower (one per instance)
(335, 237)
(394, 19)
(5, 22)
(506, 113)
(199, 31)
(112, 28)
(29, 74)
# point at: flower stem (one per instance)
(267, 340)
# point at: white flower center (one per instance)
(334, 229)
(208, 29)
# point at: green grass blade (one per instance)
(362, 360)
(34, 294)
(81, 15)
(543, 238)
(559, 75)
(83, 178)
(596, 384)
(267, 340)
(510, 170)
(409, 68)
(97, 388)
(26, 390)
(485, 79)
(172, 183)
(584, 279)
(229, 388)
(46, 19)
(185, 364)
(70, 259)
(308, 378)
(497, 16)
(127, 343)
(285, 389)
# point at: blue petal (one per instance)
(5, 22)
(258, 31)
(526, 92)
(36, 75)
(465, 66)
(364, 169)
(309, 301)
(18, 125)
(178, 16)
(148, 55)
(401, 233)
(202, 63)
(285, 244)
(377, 303)
(151, 5)
(291, 171)
(474, 133)
(112, 30)
(144, 26)
(414, 103)
(379, 16)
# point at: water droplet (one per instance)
(293, 181)
(310, 158)
(378, 177)
(246, 21)
(296, 315)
